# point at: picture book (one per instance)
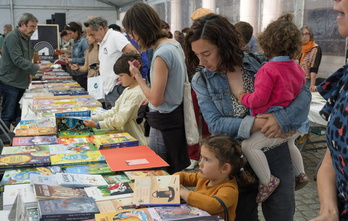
(44, 191)
(25, 190)
(69, 159)
(43, 122)
(104, 131)
(84, 113)
(40, 131)
(132, 158)
(34, 150)
(23, 160)
(94, 103)
(108, 141)
(74, 133)
(113, 205)
(99, 168)
(24, 175)
(84, 207)
(116, 178)
(35, 140)
(71, 148)
(183, 211)
(65, 101)
(79, 180)
(75, 140)
(141, 173)
(129, 214)
(156, 190)
(107, 192)
(71, 123)
(44, 179)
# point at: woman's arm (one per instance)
(327, 190)
(314, 68)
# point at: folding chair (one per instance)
(6, 135)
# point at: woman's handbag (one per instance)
(191, 128)
(226, 217)
(95, 87)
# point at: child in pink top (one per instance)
(277, 83)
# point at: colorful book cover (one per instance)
(44, 191)
(84, 207)
(183, 211)
(44, 122)
(100, 168)
(75, 140)
(142, 173)
(24, 175)
(40, 102)
(79, 180)
(35, 140)
(113, 205)
(71, 148)
(65, 101)
(132, 158)
(116, 178)
(39, 150)
(85, 113)
(23, 160)
(156, 190)
(107, 192)
(104, 131)
(128, 214)
(75, 133)
(85, 99)
(71, 123)
(40, 131)
(94, 103)
(44, 179)
(117, 140)
(69, 159)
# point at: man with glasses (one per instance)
(17, 68)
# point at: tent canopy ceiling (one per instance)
(119, 3)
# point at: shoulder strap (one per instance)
(223, 206)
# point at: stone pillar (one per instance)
(270, 12)
(209, 4)
(249, 13)
(175, 15)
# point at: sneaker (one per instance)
(265, 190)
(193, 164)
(301, 180)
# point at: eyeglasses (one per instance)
(303, 34)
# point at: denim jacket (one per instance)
(214, 99)
(78, 51)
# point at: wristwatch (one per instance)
(98, 125)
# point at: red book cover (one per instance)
(132, 158)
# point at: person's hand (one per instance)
(30, 78)
(74, 67)
(90, 123)
(134, 70)
(271, 129)
(144, 102)
(45, 68)
(313, 88)
(326, 217)
(240, 95)
(184, 192)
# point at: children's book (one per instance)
(183, 211)
(69, 159)
(107, 206)
(40, 131)
(84, 113)
(25, 190)
(94, 169)
(43, 122)
(24, 175)
(116, 178)
(74, 133)
(39, 150)
(75, 140)
(156, 190)
(117, 140)
(79, 180)
(35, 140)
(141, 173)
(71, 123)
(23, 160)
(71, 148)
(132, 158)
(44, 191)
(44, 179)
(127, 214)
(67, 209)
(104, 131)
(107, 192)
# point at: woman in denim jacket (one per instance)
(214, 43)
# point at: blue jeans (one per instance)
(11, 110)
(156, 143)
(281, 204)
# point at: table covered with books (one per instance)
(59, 169)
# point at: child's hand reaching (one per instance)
(184, 192)
(90, 123)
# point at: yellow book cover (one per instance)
(65, 101)
(36, 131)
(116, 140)
(128, 214)
(67, 159)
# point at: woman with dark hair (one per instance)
(214, 43)
(165, 93)
(310, 58)
(79, 47)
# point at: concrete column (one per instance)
(175, 15)
(270, 12)
(209, 4)
(249, 13)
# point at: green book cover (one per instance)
(74, 133)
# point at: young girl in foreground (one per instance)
(277, 83)
(220, 166)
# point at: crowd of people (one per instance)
(252, 102)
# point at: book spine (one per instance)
(67, 217)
